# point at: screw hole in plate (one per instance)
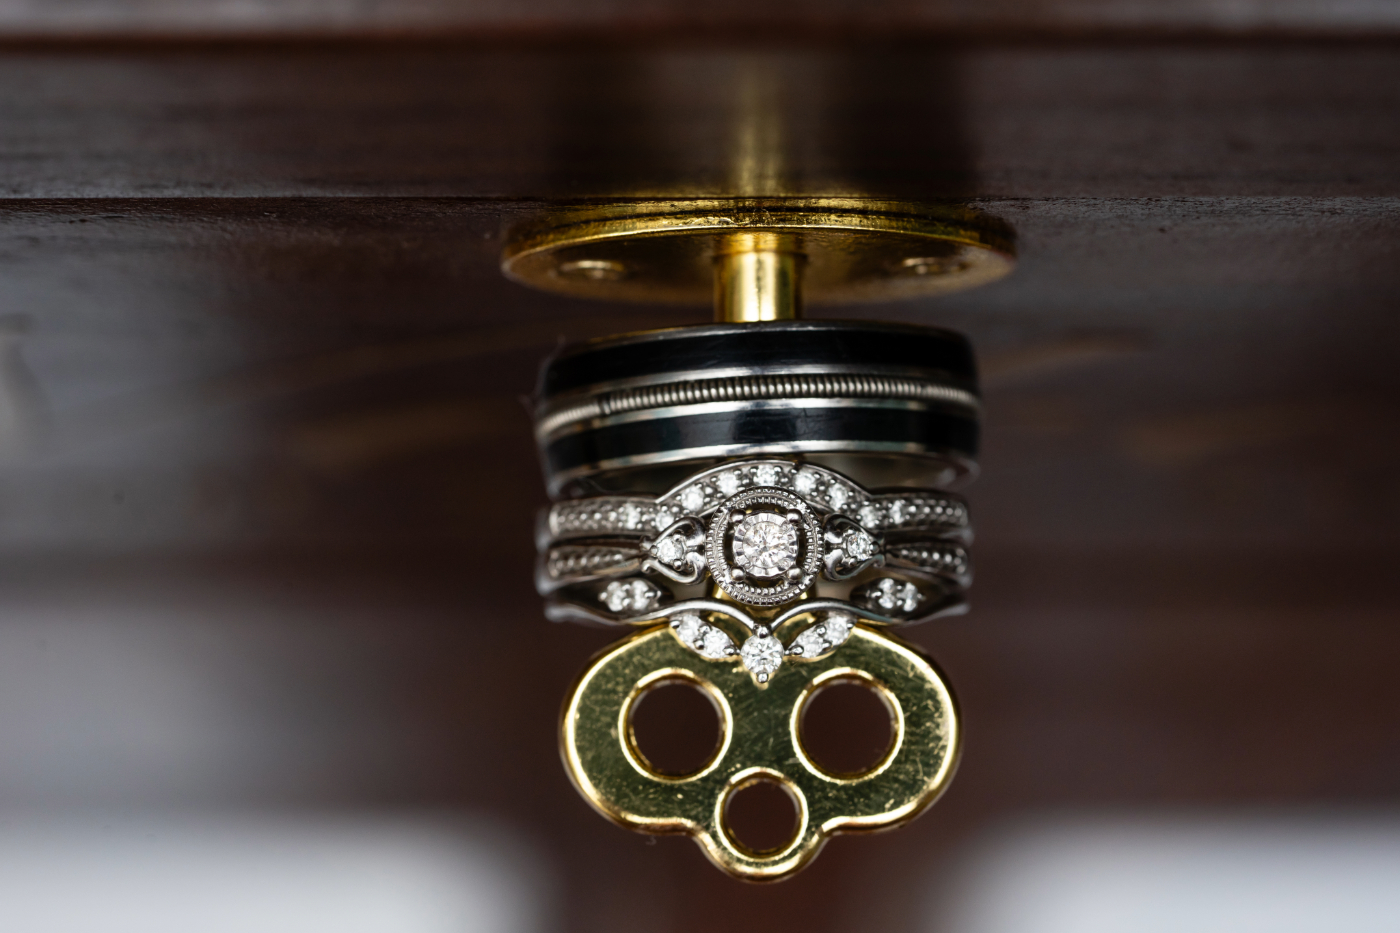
(594, 270)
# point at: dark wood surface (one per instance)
(257, 365)
(732, 20)
(1061, 119)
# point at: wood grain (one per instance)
(1067, 121)
(773, 18)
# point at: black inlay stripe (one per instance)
(770, 347)
(931, 429)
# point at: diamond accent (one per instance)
(805, 482)
(765, 545)
(839, 627)
(766, 475)
(693, 499)
(631, 596)
(824, 636)
(705, 640)
(858, 545)
(762, 655)
(671, 549)
(810, 643)
(837, 496)
(687, 626)
(728, 483)
(607, 514)
(890, 594)
(869, 516)
(715, 644)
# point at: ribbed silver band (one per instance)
(754, 388)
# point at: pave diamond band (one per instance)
(604, 515)
(914, 510)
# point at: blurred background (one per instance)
(270, 654)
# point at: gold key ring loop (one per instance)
(760, 741)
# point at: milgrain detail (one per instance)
(948, 560)
(901, 512)
(586, 561)
(641, 516)
(756, 388)
(606, 515)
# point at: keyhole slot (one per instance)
(848, 726)
(675, 727)
(762, 815)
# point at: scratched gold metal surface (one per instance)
(760, 739)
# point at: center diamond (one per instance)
(765, 544)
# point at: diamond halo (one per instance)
(764, 546)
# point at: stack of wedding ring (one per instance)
(757, 548)
(774, 545)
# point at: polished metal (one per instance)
(765, 387)
(760, 738)
(826, 372)
(747, 405)
(758, 277)
(774, 574)
(595, 552)
(613, 408)
(958, 465)
(851, 250)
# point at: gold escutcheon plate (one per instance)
(854, 249)
(760, 740)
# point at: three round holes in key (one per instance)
(676, 726)
(848, 725)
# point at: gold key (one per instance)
(760, 740)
